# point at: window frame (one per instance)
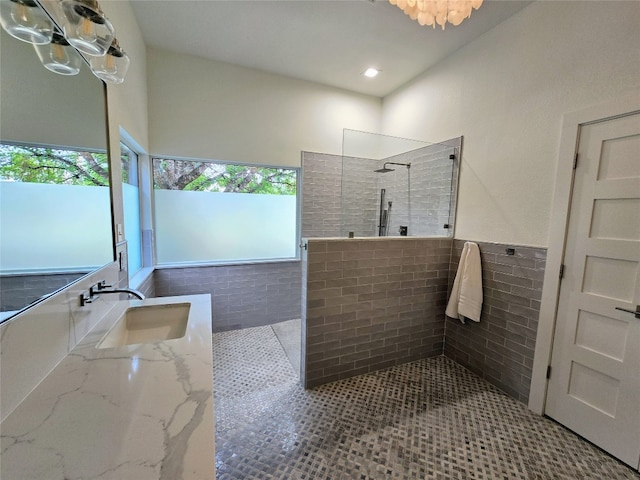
(250, 261)
(145, 193)
(125, 146)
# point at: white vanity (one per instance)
(126, 410)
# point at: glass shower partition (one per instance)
(395, 187)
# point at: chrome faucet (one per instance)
(102, 287)
(130, 291)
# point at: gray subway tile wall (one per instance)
(242, 296)
(18, 291)
(372, 303)
(422, 195)
(500, 347)
(361, 196)
(342, 194)
(321, 186)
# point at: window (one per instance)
(131, 205)
(221, 213)
(55, 211)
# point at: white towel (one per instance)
(466, 294)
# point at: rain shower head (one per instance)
(384, 168)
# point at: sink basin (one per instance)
(148, 324)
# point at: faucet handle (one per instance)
(87, 297)
(97, 287)
(101, 285)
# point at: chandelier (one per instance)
(432, 12)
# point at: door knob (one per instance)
(636, 312)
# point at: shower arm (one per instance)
(408, 165)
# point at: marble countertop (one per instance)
(134, 412)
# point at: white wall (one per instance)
(506, 93)
(213, 110)
(41, 107)
(128, 101)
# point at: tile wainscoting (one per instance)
(372, 303)
(17, 291)
(242, 296)
(500, 347)
(375, 303)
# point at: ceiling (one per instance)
(325, 41)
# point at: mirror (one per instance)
(55, 206)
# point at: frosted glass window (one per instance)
(70, 231)
(209, 212)
(55, 213)
(131, 205)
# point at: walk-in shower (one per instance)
(396, 187)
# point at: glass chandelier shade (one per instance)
(432, 12)
(86, 28)
(111, 67)
(58, 56)
(24, 20)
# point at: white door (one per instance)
(594, 383)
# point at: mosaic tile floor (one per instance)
(430, 419)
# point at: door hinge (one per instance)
(575, 161)
(561, 275)
(548, 371)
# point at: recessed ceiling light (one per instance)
(371, 72)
